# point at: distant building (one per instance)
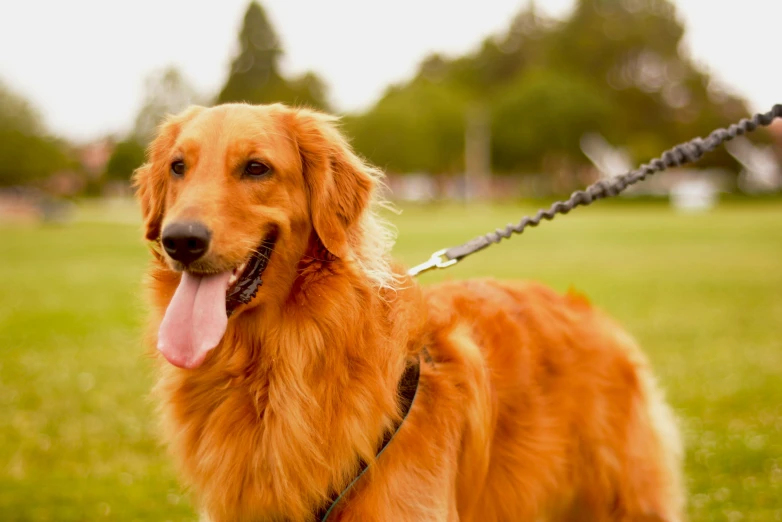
(66, 183)
(776, 134)
(423, 187)
(94, 156)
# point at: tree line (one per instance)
(614, 67)
(27, 152)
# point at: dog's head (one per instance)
(239, 192)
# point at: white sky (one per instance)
(82, 62)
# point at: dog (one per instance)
(529, 405)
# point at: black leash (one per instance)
(406, 391)
(682, 154)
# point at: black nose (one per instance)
(186, 241)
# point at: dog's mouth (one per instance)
(246, 278)
(197, 316)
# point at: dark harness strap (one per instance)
(406, 391)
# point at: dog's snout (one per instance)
(186, 241)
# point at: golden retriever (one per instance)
(531, 406)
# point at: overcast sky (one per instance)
(82, 62)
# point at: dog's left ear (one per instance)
(339, 183)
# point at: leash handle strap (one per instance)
(682, 154)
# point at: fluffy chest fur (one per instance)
(277, 418)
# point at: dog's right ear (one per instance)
(151, 193)
(151, 179)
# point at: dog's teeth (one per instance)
(233, 278)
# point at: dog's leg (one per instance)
(652, 487)
(637, 479)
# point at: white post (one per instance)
(477, 153)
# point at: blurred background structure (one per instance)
(498, 107)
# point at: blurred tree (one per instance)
(255, 74)
(545, 112)
(501, 58)
(633, 49)
(613, 66)
(309, 90)
(127, 156)
(165, 92)
(27, 154)
(17, 113)
(419, 127)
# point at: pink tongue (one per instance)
(195, 320)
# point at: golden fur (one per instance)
(536, 406)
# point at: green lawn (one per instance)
(702, 293)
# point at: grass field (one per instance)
(702, 293)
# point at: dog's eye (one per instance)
(256, 169)
(178, 168)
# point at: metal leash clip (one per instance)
(438, 260)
